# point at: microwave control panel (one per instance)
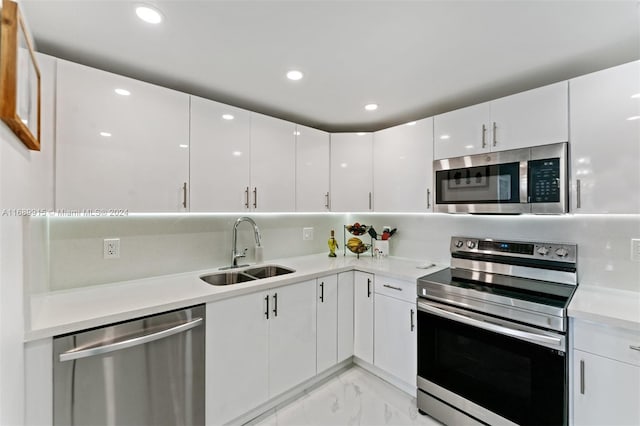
(544, 180)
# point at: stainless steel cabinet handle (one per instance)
(368, 287)
(112, 347)
(266, 313)
(495, 140)
(255, 197)
(578, 194)
(326, 197)
(392, 287)
(490, 326)
(246, 197)
(484, 136)
(370, 201)
(322, 292)
(428, 198)
(635, 348)
(582, 377)
(184, 195)
(275, 304)
(413, 325)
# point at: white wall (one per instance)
(26, 181)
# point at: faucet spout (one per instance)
(234, 249)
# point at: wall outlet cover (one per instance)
(307, 234)
(111, 249)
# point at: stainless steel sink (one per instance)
(244, 275)
(226, 278)
(267, 271)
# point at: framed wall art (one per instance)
(19, 78)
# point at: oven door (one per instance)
(493, 370)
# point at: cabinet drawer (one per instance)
(403, 290)
(611, 342)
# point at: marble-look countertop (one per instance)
(618, 308)
(67, 311)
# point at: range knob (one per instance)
(543, 251)
(459, 243)
(562, 252)
(471, 244)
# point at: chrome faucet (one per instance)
(234, 249)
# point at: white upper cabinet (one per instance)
(403, 167)
(120, 143)
(351, 172)
(219, 157)
(464, 131)
(273, 164)
(535, 117)
(312, 170)
(605, 141)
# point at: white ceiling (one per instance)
(414, 58)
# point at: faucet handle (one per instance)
(244, 252)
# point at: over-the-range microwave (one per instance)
(526, 180)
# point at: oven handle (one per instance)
(539, 339)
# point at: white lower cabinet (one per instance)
(327, 317)
(345, 315)
(363, 316)
(258, 346)
(606, 375)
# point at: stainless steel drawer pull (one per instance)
(246, 197)
(582, 377)
(129, 343)
(578, 194)
(326, 197)
(495, 138)
(370, 208)
(392, 287)
(184, 195)
(635, 348)
(428, 198)
(255, 197)
(484, 136)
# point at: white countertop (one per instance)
(618, 308)
(72, 310)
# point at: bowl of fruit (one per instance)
(357, 229)
(355, 245)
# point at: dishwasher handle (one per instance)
(112, 347)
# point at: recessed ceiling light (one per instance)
(469, 146)
(371, 107)
(105, 134)
(183, 146)
(411, 123)
(294, 75)
(123, 92)
(636, 96)
(149, 14)
(361, 133)
(445, 137)
(236, 153)
(343, 165)
(228, 116)
(296, 133)
(635, 117)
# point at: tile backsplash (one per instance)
(152, 245)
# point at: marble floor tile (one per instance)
(354, 397)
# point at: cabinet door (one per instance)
(292, 336)
(605, 152)
(273, 162)
(219, 157)
(363, 316)
(403, 167)
(237, 357)
(119, 151)
(345, 315)
(462, 132)
(327, 337)
(605, 392)
(312, 170)
(351, 172)
(535, 117)
(395, 338)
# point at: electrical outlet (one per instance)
(635, 249)
(307, 234)
(111, 248)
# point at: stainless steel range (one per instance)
(492, 333)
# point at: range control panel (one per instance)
(531, 250)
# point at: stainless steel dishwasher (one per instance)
(148, 371)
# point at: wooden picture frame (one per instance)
(20, 89)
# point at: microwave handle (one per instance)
(524, 187)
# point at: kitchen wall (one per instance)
(26, 182)
(163, 244)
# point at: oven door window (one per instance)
(517, 380)
(498, 183)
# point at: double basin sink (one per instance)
(250, 274)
